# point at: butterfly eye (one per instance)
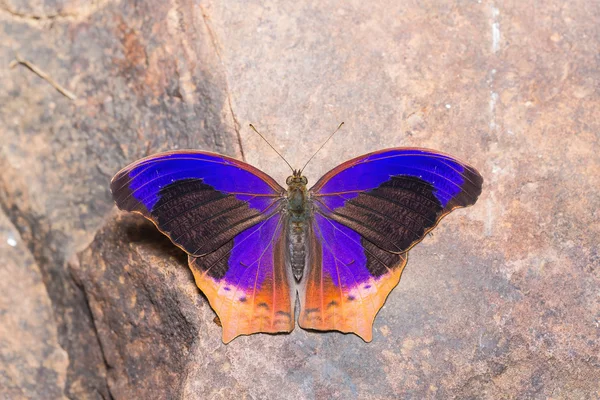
(288, 181)
(304, 180)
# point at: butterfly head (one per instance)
(296, 179)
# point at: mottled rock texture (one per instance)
(501, 302)
(32, 363)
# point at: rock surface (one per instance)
(32, 363)
(501, 302)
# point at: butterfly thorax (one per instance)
(297, 196)
(297, 229)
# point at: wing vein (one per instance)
(437, 189)
(271, 241)
(347, 268)
(399, 222)
(154, 161)
(352, 240)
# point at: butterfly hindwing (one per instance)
(246, 281)
(200, 200)
(348, 279)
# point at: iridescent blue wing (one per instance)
(199, 200)
(226, 215)
(394, 197)
(369, 212)
(347, 281)
(247, 283)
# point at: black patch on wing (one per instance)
(469, 191)
(215, 264)
(122, 194)
(379, 261)
(392, 216)
(201, 219)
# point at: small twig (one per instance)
(35, 69)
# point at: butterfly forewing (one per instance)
(200, 200)
(394, 197)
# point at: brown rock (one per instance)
(140, 88)
(32, 363)
(501, 302)
(145, 311)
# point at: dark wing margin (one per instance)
(394, 197)
(200, 200)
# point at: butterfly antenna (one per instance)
(330, 136)
(274, 149)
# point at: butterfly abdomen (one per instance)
(296, 241)
(297, 226)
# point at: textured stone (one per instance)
(141, 87)
(500, 302)
(145, 311)
(32, 364)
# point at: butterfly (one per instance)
(255, 246)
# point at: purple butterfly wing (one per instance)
(348, 280)
(199, 200)
(394, 197)
(369, 212)
(246, 281)
(226, 215)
